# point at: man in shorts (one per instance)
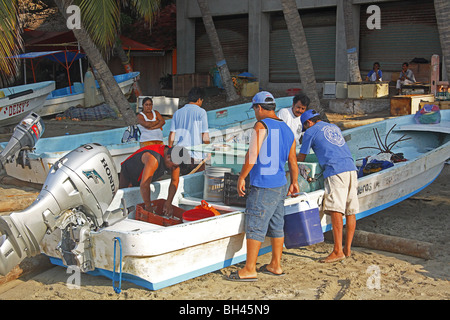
(271, 146)
(340, 175)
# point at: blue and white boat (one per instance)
(62, 99)
(16, 102)
(155, 256)
(226, 124)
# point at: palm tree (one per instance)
(10, 40)
(301, 51)
(352, 53)
(217, 50)
(442, 8)
(97, 36)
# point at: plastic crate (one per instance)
(230, 194)
(156, 218)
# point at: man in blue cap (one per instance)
(271, 146)
(340, 176)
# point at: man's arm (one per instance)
(301, 157)
(205, 138)
(150, 166)
(174, 181)
(171, 138)
(293, 171)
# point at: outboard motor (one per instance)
(25, 136)
(75, 197)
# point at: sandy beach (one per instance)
(366, 275)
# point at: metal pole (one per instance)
(81, 65)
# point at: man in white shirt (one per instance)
(291, 115)
(406, 77)
(189, 126)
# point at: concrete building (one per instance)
(254, 37)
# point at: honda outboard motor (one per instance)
(75, 197)
(25, 136)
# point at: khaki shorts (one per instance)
(341, 193)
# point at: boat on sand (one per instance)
(155, 256)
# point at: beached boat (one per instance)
(16, 102)
(62, 99)
(156, 256)
(226, 124)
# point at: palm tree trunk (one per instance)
(352, 53)
(301, 52)
(217, 50)
(97, 61)
(442, 8)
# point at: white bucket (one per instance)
(214, 181)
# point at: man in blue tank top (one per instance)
(340, 197)
(271, 146)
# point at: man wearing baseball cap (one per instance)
(340, 197)
(271, 146)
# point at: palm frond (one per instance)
(10, 40)
(146, 8)
(101, 20)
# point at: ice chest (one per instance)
(302, 225)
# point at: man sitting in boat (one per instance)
(341, 182)
(149, 164)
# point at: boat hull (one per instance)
(14, 110)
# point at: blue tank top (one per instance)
(268, 171)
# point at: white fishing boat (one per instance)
(16, 102)
(226, 124)
(155, 256)
(62, 99)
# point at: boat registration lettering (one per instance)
(17, 108)
(365, 188)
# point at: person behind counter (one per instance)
(406, 77)
(375, 74)
(150, 123)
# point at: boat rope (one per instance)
(117, 289)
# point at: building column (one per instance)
(185, 48)
(341, 65)
(258, 42)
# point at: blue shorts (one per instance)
(264, 213)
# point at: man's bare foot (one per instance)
(347, 253)
(333, 257)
